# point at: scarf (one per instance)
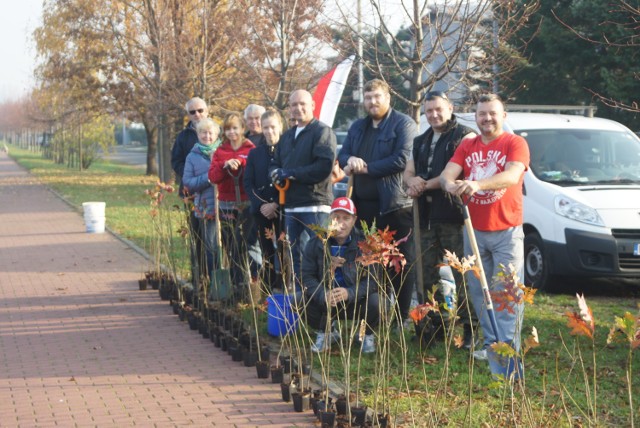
(207, 150)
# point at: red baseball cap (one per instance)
(343, 204)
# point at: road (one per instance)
(130, 155)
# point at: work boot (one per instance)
(467, 336)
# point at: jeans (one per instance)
(501, 247)
(299, 233)
(210, 244)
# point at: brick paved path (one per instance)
(81, 346)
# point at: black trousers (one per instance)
(367, 308)
(402, 222)
(269, 276)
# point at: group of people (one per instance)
(392, 168)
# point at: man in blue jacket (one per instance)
(375, 152)
(305, 155)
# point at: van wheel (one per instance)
(536, 269)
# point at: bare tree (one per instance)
(464, 45)
(282, 46)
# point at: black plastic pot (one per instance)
(250, 358)
(193, 320)
(165, 290)
(286, 392)
(223, 342)
(202, 328)
(327, 418)
(236, 353)
(277, 374)
(262, 368)
(358, 415)
(232, 343)
(383, 420)
(212, 331)
(286, 362)
(316, 396)
(265, 353)
(142, 284)
(341, 405)
(300, 401)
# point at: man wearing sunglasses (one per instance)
(197, 110)
(440, 219)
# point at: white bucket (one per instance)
(94, 216)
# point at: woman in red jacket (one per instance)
(227, 167)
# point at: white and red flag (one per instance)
(329, 91)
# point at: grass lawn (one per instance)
(570, 381)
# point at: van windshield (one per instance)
(579, 156)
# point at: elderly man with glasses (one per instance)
(186, 139)
(440, 219)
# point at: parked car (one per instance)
(582, 196)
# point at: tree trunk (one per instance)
(152, 148)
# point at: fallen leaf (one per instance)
(430, 360)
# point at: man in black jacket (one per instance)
(197, 110)
(375, 152)
(440, 219)
(305, 155)
(334, 284)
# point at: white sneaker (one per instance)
(480, 355)
(322, 344)
(368, 345)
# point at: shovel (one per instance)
(220, 288)
(499, 365)
(280, 246)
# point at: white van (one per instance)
(582, 196)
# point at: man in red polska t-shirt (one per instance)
(492, 165)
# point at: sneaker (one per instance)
(368, 345)
(322, 344)
(480, 355)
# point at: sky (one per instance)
(17, 49)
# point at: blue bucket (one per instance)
(282, 318)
